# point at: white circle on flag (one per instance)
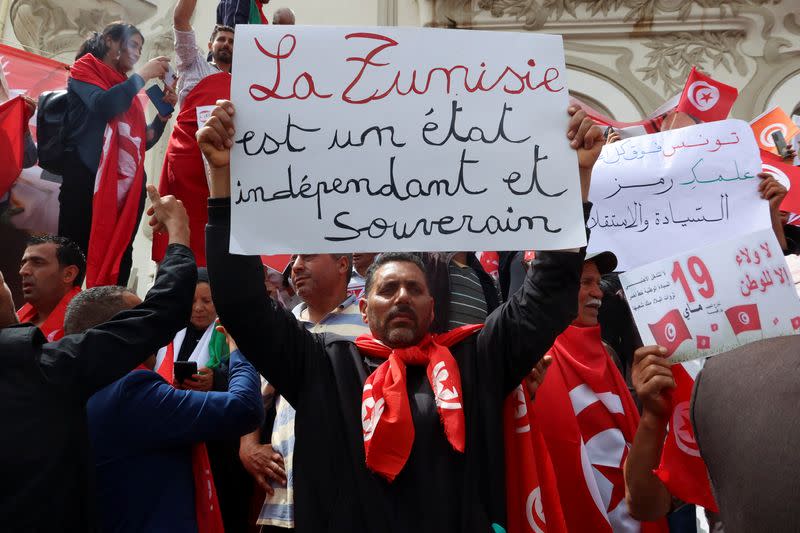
(779, 174)
(766, 134)
(702, 95)
(670, 333)
(744, 318)
(683, 435)
(535, 511)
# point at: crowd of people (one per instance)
(364, 392)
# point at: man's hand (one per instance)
(168, 214)
(652, 379)
(613, 136)
(771, 190)
(215, 140)
(263, 463)
(536, 376)
(203, 381)
(587, 139)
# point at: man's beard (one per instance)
(223, 56)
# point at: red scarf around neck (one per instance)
(206, 503)
(118, 183)
(385, 410)
(53, 327)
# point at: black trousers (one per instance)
(75, 214)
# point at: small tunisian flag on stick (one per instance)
(770, 122)
(682, 470)
(670, 331)
(12, 128)
(705, 98)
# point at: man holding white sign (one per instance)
(371, 454)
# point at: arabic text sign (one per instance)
(660, 194)
(400, 139)
(715, 298)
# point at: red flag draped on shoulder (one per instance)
(183, 174)
(532, 501)
(588, 419)
(682, 470)
(12, 141)
(705, 98)
(118, 186)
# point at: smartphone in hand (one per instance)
(156, 95)
(780, 144)
(184, 370)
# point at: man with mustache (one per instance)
(400, 431)
(192, 64)
(321, 281)
(588, 418)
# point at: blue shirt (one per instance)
(142, 430)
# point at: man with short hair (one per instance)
(361, 262)
(44, 387)
(321, 281)
(192, 66)
(283, 16)
(372, 453)
(587, 416)
(52, 272)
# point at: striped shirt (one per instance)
(345, 320)
(467, 301)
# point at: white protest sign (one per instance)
(713, 299)
(664, 193)
(364, 139)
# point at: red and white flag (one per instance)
(490, 261)
(670, 331)
(532, 501)
(682, 470)
(588, 420)
(774, 120)
(705, 98)
(30, 74)
(703, 342)
(12, 142)
(744, 318)
(787, 175)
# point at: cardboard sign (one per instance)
(715, 298)
(664, 193)
(364, 139)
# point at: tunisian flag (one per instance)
(588, 419)
(705, 98)
(787, 175)
(118, 185)
(744, 318)
(29, 73)
(682, 470)
(12, 142)
(670, 331)
(183, 174)
(774, 120)
(532, 501)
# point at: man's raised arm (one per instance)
(278, 346)
(182, 17)
(103, 354)
(520, 332)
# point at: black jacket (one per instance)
(45, 477)
(322, 376)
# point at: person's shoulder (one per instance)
(137, 381)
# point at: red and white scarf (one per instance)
(206, 503)
(118, 183)
(53, 327)
(588, 420)
(386, 421)
(682, 470)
